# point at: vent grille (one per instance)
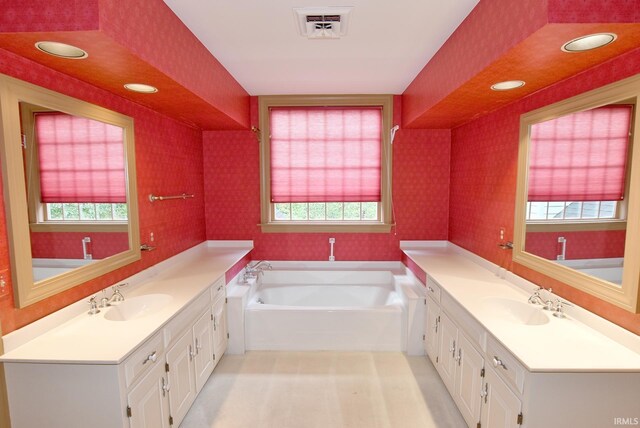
(322, 23)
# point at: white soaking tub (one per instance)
(326, 307)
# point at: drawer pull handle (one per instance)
(497, 362)
(153, 357)
(452, 349)
(191, 353)
(431, 289)
(198, 347)
(219, 288)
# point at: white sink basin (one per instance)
(137, 307)
(515, 311)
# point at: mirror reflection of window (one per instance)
(81, 168)
(578, 167)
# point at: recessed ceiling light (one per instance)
(507, 85)
(141, 87)
(61, 50)
(591, 41)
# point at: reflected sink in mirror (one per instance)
(137, 307)
(515, 311)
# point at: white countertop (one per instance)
(92, 339)
(561, 345)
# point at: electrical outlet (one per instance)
(151, 237)
(502, 233)
(332, 240)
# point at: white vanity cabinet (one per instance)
(459, 359)
(432, 321)
(219, 329)
(149, 400)
(153, 387)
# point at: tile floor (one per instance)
(323, 389)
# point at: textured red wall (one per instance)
(68, 245)
(168, 161)
(594, 244)
(484, 155)
(421, 198)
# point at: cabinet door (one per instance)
(149, 401)
(432, 330)
(181, 377)
(203, 345)
(220, 329)
(446, 352)
(468, 380)
(501, 407)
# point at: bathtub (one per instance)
(46, 268)
(327, 306)
(608, 269)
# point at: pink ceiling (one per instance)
(139, 41)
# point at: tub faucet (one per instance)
(258, 267)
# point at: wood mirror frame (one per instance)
(26, 291)
(625, 295)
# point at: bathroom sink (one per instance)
(515, 311)
(137, 307)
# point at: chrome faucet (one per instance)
(535, 298)
(117, 296)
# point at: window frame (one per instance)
(38, 221)
(268, 222)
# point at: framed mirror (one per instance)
(577, 215)
(69, 187)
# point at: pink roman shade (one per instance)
(325, 154)
(580, 157)
(81, 160)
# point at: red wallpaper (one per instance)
(68, 245)
(421, 198)
(580, 245)
(484, 156)
(168, 160)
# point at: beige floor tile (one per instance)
(323, 390)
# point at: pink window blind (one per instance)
(326, 154)
(580, 157)
(81, 160)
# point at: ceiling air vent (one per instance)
(322, 22)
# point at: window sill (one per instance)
(576, 226)
(291, 227)
(79, 227)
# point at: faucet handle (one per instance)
(559, 311)
(93, 306)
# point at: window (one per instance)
(75, 171)
(578, 166)
(325, 163)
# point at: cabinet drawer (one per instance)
(433, 289)
(505, 364)
(186, 318)
(146, 356)
(472, 328)
(218, 290)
